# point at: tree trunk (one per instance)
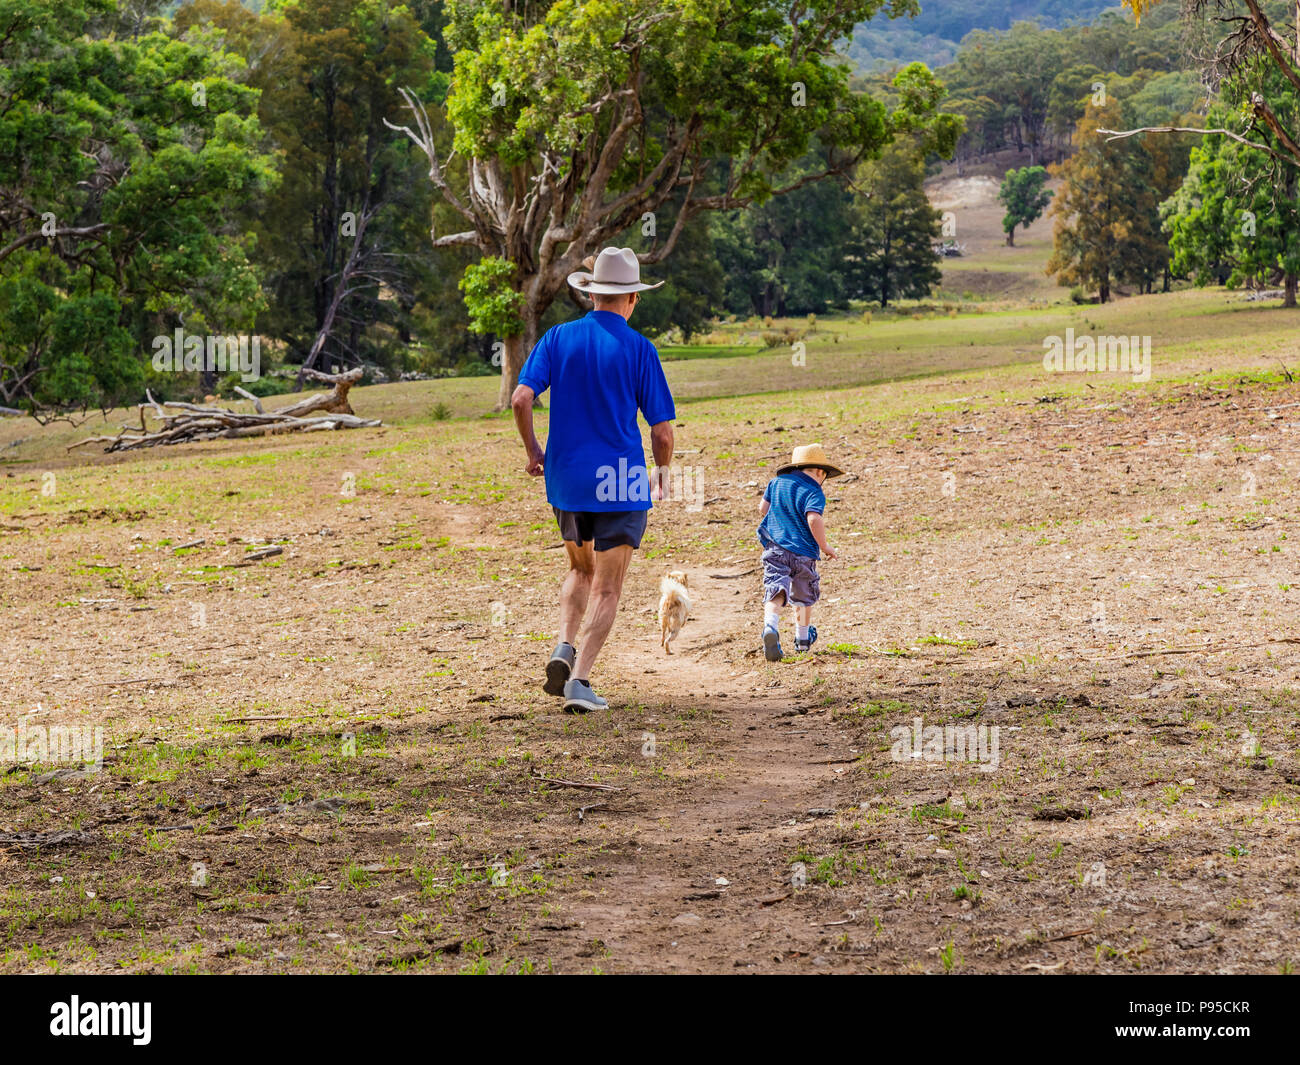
(1288, 280)
(1103, 291)
(517, 349)
(1011, 237)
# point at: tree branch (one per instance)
(425, 142)
(1116, 135)
(62, 231)
(1270, 40)
(1269, 119)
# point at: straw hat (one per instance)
(617, 270)
(810, 455)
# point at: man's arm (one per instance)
(661, 443)
(521, 403)
(817, 526)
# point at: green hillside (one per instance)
(933, 35)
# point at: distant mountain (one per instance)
(932, 37)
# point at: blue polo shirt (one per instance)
(600, 372)
(791, 496)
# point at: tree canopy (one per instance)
(573, 122)
(1024, 196)
(123, 161)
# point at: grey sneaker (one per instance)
(772, 645)
(559, 668)
(579, 698)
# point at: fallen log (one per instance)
(183, 423)
(335, 401)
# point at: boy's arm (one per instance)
(817, 526)
(763, 507)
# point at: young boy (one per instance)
(792, 532)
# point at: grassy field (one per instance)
(1194, 332)
(337, 757)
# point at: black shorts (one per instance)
(604, 528)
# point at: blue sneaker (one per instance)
(580, 699)
(772, 645)
(806, 645)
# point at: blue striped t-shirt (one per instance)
(790, 497)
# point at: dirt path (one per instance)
(707, 885)
(350, 741)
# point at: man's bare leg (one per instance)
(606, 589)
(576, 589)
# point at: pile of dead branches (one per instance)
(192, 421)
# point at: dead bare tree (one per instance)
(359, 272)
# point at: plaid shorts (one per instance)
(795, 575)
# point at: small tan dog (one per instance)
(674, 608)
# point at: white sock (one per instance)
(801, 632)
(771, 615)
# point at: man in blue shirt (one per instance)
(600, 372)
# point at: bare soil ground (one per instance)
(338, 758)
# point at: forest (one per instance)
(230, 171)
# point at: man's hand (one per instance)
(661, 483)
(661, 443)
(521, 403)
(829, 551)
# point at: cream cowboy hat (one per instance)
(617, 270)
(810, 455)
